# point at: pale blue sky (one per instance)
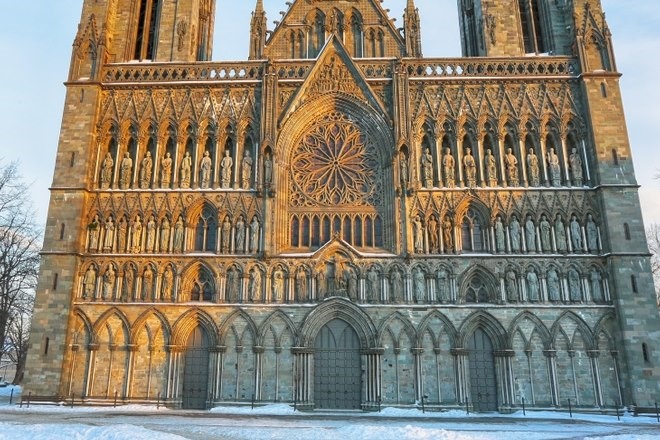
(35, 46)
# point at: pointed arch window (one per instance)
(472, 233)
(532, 20)
(206, 230)
(146, 38)
(358, 35)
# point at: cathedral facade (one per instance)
(341, 223)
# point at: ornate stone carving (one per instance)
(106, 171)
(225, 170)
(246, 170)
(205, 170)
(166, 171)
(491, 169)
(533, 168)
(146, 168)
(186, 169)
(427, 168)
(576, 167)
(125, 171)
(470, 168)
(554, 168)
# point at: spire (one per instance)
(412, 30)
(258, 32)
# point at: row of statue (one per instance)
(432, 236)
(145, 179)
(338, 280)
(137, 237)
(490, 176)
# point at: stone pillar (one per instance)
(505, 377)
(595, 375)
(75, 348)
(173, 369)
(551, 358)
(461, 366)
(258, 370)
(128, 380)
(419, 376)
(373, 377)
(91, 369)
(303, 370)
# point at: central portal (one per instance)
(337, 369)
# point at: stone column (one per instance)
(373, 377)
(75, 348)
(551, 358)
(91, 369)
(128, 379)
(258, 370)
(595, 376)
(173, 371)
(419, 382)
(462, 375)
(303, 367)
(505, 377)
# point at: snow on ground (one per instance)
(133, 422)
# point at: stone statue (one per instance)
(109, 239)
(125, 171)
(576, 234)
(574, 286)
(178, 235)
(246, 170)
(372, 285)
(147, 283)
(205, 170)
(419, 285)
(268, 171)
(449, 169)
(403, 166)
(560, 234)
(166, 171)
(554, 289)
(576, 167)
(427, 168)
(301, 285)
(511, 162)
(596, 286)
(232, 290)
(352, 284)
(226, 235)
(254, 285)
(278, 285)
(240, 235)
(470, 167)
(533, 168)
(122, 230)
(225, 167)
(136, 238)
(533, 286)
(592, 234)
(151, 234)
(500, 237)
(186, 170)
(512, 287)
(530, 234)
(146, 169)
(447, 235)
(442, 278)
(128, 287)
(396, 282)
(433, 234)
(321, 284)
(554, 167)
(94, 231)
(491, 169)
(109, 278)
(254, 235)
(106, 171)
(546, 235)
(418, 235)
(168, 284)
(89, 283)
(165, 235)
(514, 231)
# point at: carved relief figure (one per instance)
(515, 230)
(500, 237)
(106, 171)
(109, 278)
(89, 283)
(533, 286)
(301, 285)
(122, 230)
(449, 169)
(447, 235)
(126, 169)
(511, 284)
(226, 235)
(129, 284)
(268, 171)
(178, 235)
(596, 287)
(232, 290)
(165, 235)
(225, 166)
(352, 284)
(147, 283)
(442, 278)
(246, 170)
(403, 166)
(372, 285)
(491, 169)
(560, 234)
(278, 285)
(418, 235)
(145, 171)
(592, 234)
(533, 168)
(427, 168)
(205, 170)
(419, 285)
(554, 167)
(470, 167)
(166, 171)
(151, 234)
(321, 284)
(546, 237)
(167, 284)
(576, 234)
(254, 285)
(511, 162)
(94, 229)
(254, 235)
(240, 235)
(109, 240)
(554, 289)
(186, 170)
(396, 283)
(136, 235)
(433, 234)
(576, 167)
(574, 286)
(530, 234)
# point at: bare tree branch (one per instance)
(653, 239)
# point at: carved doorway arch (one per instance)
(196, 371)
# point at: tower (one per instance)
(258, 28)
(412, 30)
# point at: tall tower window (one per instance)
(531, 20)
(147, 36)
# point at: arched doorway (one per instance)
(196, 371)
(483, 385)
(337, 367)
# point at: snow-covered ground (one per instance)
(281, 422)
